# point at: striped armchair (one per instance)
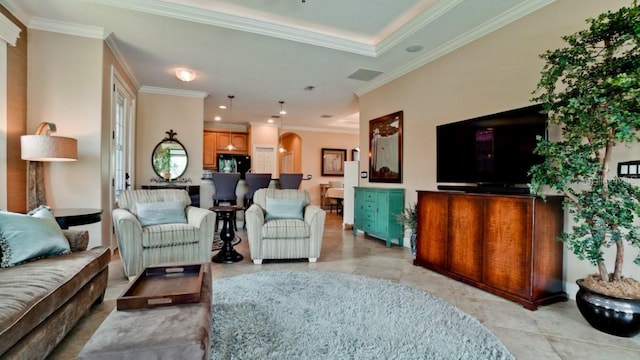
(141, 246)
(277, 235)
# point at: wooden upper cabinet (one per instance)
(215, 143)
(238, 140)
(209, 150)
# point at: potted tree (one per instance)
(591, 90)
(409, 219)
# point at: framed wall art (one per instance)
(385, 148)
(333, 161)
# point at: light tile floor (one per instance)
(555, 331)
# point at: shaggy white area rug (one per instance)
(323, 315)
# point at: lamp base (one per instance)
(36, 195)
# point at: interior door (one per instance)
(122, 140)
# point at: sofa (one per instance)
(42, 300)
(282, 224)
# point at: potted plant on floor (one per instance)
(591, 90)
(409, 219)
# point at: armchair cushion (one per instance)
(30, 237)
(284, 208)
(164, 212)
(286, 229)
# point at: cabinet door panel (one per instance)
(465, 236)
(382, 213)
(209, 150)
(508, 231)
(431, 246)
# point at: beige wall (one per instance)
(158, 113)
(65, 87)
(492, 74)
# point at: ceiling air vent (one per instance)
(364, 74)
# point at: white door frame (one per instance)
(119, 87)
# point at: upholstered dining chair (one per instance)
(225, 185)
(332, 185)
(255, 181)
(282, 224)
(160, 226)
(290, 181)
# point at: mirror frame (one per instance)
(385, 148)
(171, 138)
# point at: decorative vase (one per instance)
(609, 314)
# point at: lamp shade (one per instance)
(48, 148)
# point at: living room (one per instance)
(68, 77)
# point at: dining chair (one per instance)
(255, 181)
(225, 185)
(290, 181)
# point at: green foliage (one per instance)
(409, 217)
(591, 89)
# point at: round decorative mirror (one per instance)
(169, 158)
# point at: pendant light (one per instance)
(230, 146)
(282, 113)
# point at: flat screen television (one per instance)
(493, 151)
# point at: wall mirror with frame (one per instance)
(169, 158)
(385, 148)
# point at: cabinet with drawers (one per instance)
(375, 213)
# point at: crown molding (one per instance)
(415, 24)
(173, 92)
(262, 27)
(9, 32)
(111, 44)
(479, 31)
(63, 27)
(16, 8)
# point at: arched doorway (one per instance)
(290, 158)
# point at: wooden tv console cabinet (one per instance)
(504, 244)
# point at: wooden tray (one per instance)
(163, 286)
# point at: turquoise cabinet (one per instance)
(375, 213)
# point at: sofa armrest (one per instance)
(78, 239)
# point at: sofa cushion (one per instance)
(284, 208)
(285, 229)
(31, 292)
(163, 212)
(32, 236)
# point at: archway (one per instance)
(290, 159)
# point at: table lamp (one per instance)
(39, 148)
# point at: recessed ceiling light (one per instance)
(270, 120)
(222, 106)
(217, 118)
(414, 48)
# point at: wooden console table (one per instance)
(504, 244)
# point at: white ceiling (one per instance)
(264, 51)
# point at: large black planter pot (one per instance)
(615, 316)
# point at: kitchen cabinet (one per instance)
(215, 142)
(375, 213)
(238, 140)
(209, 150)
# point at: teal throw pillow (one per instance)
(284, 209)
(163, 212)
(30, 237)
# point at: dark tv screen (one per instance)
(494, 149)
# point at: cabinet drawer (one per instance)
(370, 216)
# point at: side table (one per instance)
(227, 255)
(74, 217)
